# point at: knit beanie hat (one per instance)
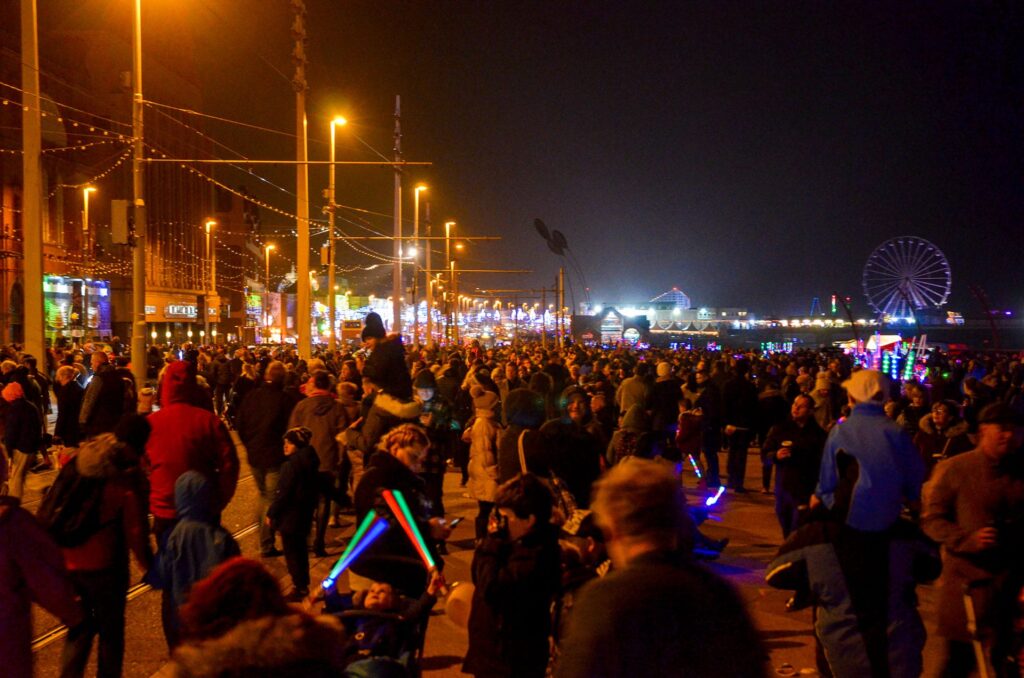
(483, 399)
(13, 391)
(374, 327)
(299, 436)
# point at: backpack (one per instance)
(70, 511)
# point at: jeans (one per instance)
(787, 510)
(266, 484)
(710, 444)
(103, 598)
(19, 469)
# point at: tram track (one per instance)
(58, 631)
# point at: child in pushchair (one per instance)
(386, 630)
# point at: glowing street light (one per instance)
(267, 249)
(338, 121)
(210, 284)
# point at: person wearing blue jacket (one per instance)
(196, 545)
(891, 471)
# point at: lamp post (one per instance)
(139, 204)
(415, 251)
(331, 311)
(87, 252)
(210, 283)
(448, 226)
(266, 284)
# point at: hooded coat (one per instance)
(187, 438)
(296, 496)
(524, 412)
(122, 518)
(935, 445)
(292, 645)
(24, 428)
(197, 544)
(325, 417)
(510, 619)
(31, 571)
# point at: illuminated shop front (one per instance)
(76, 307)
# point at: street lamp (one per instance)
(448, 226)
(331, 311)
(88, 252)
(209, 283)
(415, 275)
(266, 284)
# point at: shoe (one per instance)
(297, 595)
(335, 521)
(320, 553)
(739, 490)
(271, 553)
(765, 490)
(799, 601)
(442, 549)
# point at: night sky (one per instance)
(750, 153)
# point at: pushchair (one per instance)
(383, 644)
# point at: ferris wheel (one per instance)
(905, 274)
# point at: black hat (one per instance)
(999, 413)
(299, 436)
(374, 327)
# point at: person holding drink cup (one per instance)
(795, 447)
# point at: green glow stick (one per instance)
(363, 527)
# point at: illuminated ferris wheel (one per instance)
(906, 274)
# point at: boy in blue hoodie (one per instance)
(195, 546)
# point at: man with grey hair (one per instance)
(657, 613)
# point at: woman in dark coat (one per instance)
(392, 558)
(69, 404)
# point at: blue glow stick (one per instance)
(711, 501)
(368, 520)
(379, 527)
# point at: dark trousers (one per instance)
(296, 557)
(482, 517)
(434, 489)
(103, 598)
(327, 487)
(710, 443)
(736, 463)
(220, 397)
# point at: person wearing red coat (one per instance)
(185, 438)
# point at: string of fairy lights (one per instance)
(178, 254)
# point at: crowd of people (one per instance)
(586, 559)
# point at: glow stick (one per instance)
(396, 502)
(428, 560)
(360, 531)
(379, 528)
(711, 501)
(696, 469)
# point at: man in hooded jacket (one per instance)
(186, 438)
